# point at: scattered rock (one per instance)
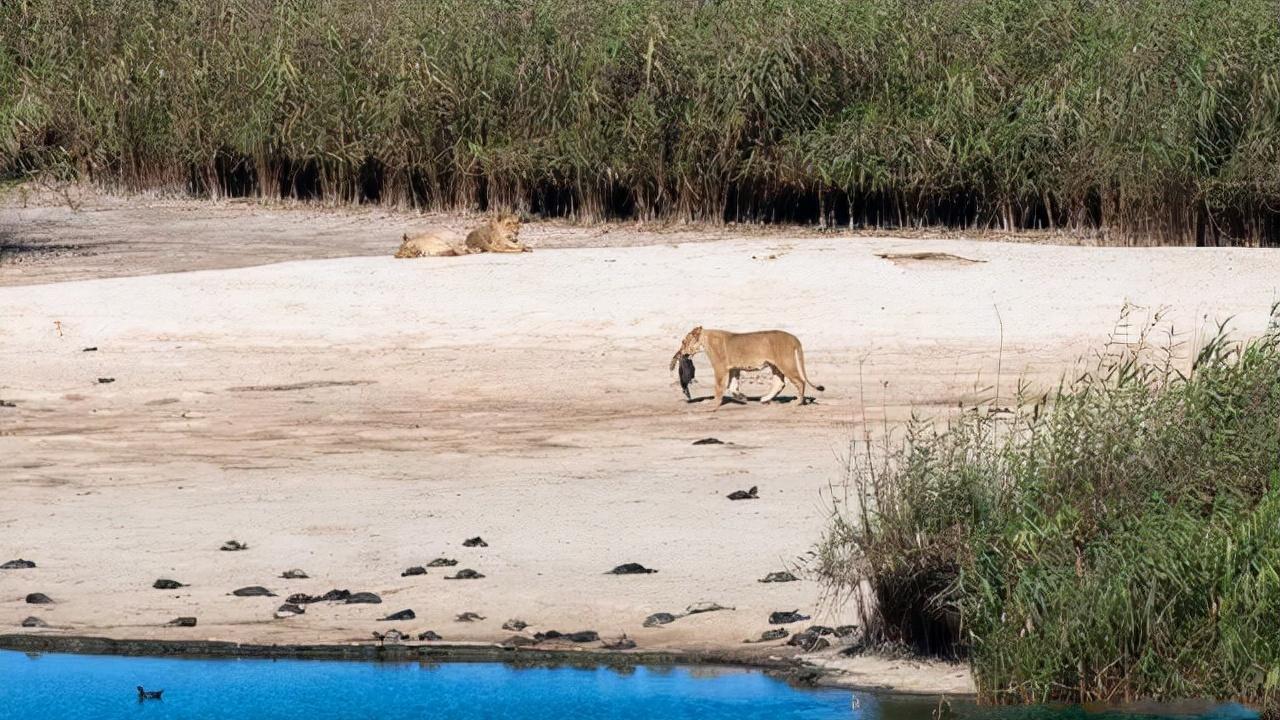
(442, 562)
(846, 630)
(34, 622)
(167, 584)
(519, 641)
(770, 635)
(476, 541)
(468, 617)
(183, 622)
(429, 635)
(464, 574)
(415, 570)
(630, 569)
(783, 617)
(104, 381)
(402, 615)
(657, 619)
(294, 574)
(808, 641)
(234, 546)
(778, 577)
(8, 404)
(515, 625)
(18, 564)
(708, 441)
(39, 599)
(392, 635)
(302, 599)
(363, 598)
(752, 494)
(704, 607)
(582, 636)
(622, 643)
(288, 610)
(253, 591)
(90, 349)
(820, 630)
(336, 596)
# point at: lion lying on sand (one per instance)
(500, 236)
(731, 353)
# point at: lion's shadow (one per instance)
(782, 399)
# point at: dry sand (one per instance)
(353, 415)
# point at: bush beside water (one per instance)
(1149, 120)
(1116, 539)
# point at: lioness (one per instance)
(498, 235)
(426, 245)
(731, 353)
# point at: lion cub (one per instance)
(499, 235)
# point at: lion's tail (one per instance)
(804, 374)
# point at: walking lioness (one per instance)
(731, 353)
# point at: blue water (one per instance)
(88, 687)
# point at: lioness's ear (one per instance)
(696, 332)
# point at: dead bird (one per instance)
(752, 494)
(686, 375)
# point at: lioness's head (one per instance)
(508, 226)
(691, 345)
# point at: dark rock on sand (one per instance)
(294, 574)
(18, 564)
(288, 610)
(392, 635)
(770, 635)
(630, 569)
(820, 630)
(90, 349)
(783, 617)
(331, 596)
(476, 541)
(105, 380)
(622, 643)
(34, 622)
(234, 546)
(778, 577)
(582, 636)
(39, 599)
(415, 570)
(514, 625)
(402, 615)
(442, 562)
(752, 494)
(519, 641)
(657, 619)
(429, 635)
(808, 641)
(253, 591)
(183, 622)
(363, 598)
(846, 630)
(167, 584)
(708, 441)
(468, 617)
(464, 574)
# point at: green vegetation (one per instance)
(1147, 120)
(1116, 539)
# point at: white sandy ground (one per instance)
(525, 399)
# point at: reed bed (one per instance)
(1138, 121)
(1116, 539)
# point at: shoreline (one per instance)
(794, 671)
